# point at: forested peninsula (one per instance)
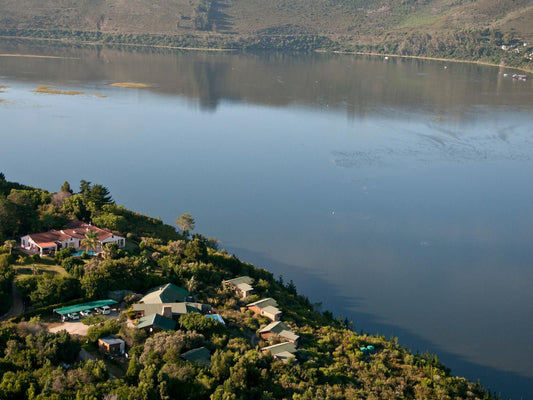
(172, 316)
(488, 31)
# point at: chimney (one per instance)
(167, 312)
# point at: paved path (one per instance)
(17, 307)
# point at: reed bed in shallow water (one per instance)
(130, 85)
(51, 90)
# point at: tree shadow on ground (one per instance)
(218, 19)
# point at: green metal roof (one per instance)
(239, 280)
(199, 355)
(168, 293)
(263, 303)
(281, 347)
(158, 321)
(84, 306)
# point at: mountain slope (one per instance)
(391, 25)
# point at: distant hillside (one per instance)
(411, 27)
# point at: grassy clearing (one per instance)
(51, 90)
(417, 21)
(130, 85)
(39, 269)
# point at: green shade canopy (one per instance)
(84, 306)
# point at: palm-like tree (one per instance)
(91, 241)
(9, 244)
(192, 284)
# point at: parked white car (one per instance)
(104, 310)
(73, 315)
(86, 313)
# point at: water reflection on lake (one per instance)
(395, 192)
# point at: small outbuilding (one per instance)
(242, 286)
(266, 307)
(278, 328)
(111, 345)
(281, 351)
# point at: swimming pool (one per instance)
(79, 253)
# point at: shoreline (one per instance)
(69, 41)
(361, 53)
(454, 60)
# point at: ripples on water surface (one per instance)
(398, 193)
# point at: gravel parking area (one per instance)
(76, 327)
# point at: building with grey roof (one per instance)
(278, 328)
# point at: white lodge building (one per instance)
(53, 240)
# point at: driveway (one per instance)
(75, 327)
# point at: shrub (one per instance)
(64, 253)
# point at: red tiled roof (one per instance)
(44, 245)
(46, 237)
(77, 229)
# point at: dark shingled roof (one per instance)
(158, 321)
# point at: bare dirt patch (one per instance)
(74, 327)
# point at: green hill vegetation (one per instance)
(462, 29)
(332, 361)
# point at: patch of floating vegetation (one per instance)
(130, 85)
(51, 90)
(4, 87)
(100, 95)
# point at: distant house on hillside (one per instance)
(266, 307)
(280, 329)
(47, 243)
(168, 293)
(281, 351)
(241, 285)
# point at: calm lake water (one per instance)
(398, 193)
